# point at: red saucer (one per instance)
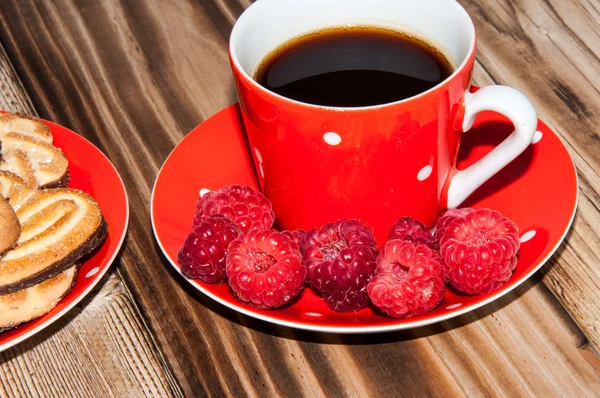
(92, 172)
(538, 191)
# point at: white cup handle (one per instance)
(516, 107)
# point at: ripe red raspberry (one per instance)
(248, 208)
(480, 251)
(297, 236)
(447, 219)
(411, 230)
(340, 258)
(205, 249)
(265, 268)
(409, 279)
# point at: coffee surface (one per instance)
(353, 67)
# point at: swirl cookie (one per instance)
(10, 228)
(58, 227)
(50, 166)
(26, 125)
(18, 163)
(15, 189)
(35, 301)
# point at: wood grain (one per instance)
(103, 336)
(134, 77)
(100, 348)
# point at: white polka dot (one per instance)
(258, 155)
(92, 272)
(262, 173)
(527, 236)
(453, 306)
(204, 191)
(332, 138)
(424, 173)
(314, 314)
(537, 137)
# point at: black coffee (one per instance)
(352, 67)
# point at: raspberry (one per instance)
(447, 219)
(265, 268)
(411, 230)
(409, 279)
(205, 249)
(340, 258)
(480, 250)
(297, 236)
(248, 208)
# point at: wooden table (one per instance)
(135, 76)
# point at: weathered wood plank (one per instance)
(100, 348)
(134, 77)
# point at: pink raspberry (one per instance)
(480, 250)
(248, 208)
(409, 279)
(205, 249)
(340, 258)
(447, 219)
(412, 231)
(265, 268)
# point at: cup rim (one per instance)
(242, 73)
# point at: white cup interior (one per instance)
(267, 24)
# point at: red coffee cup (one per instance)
(318, 164)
